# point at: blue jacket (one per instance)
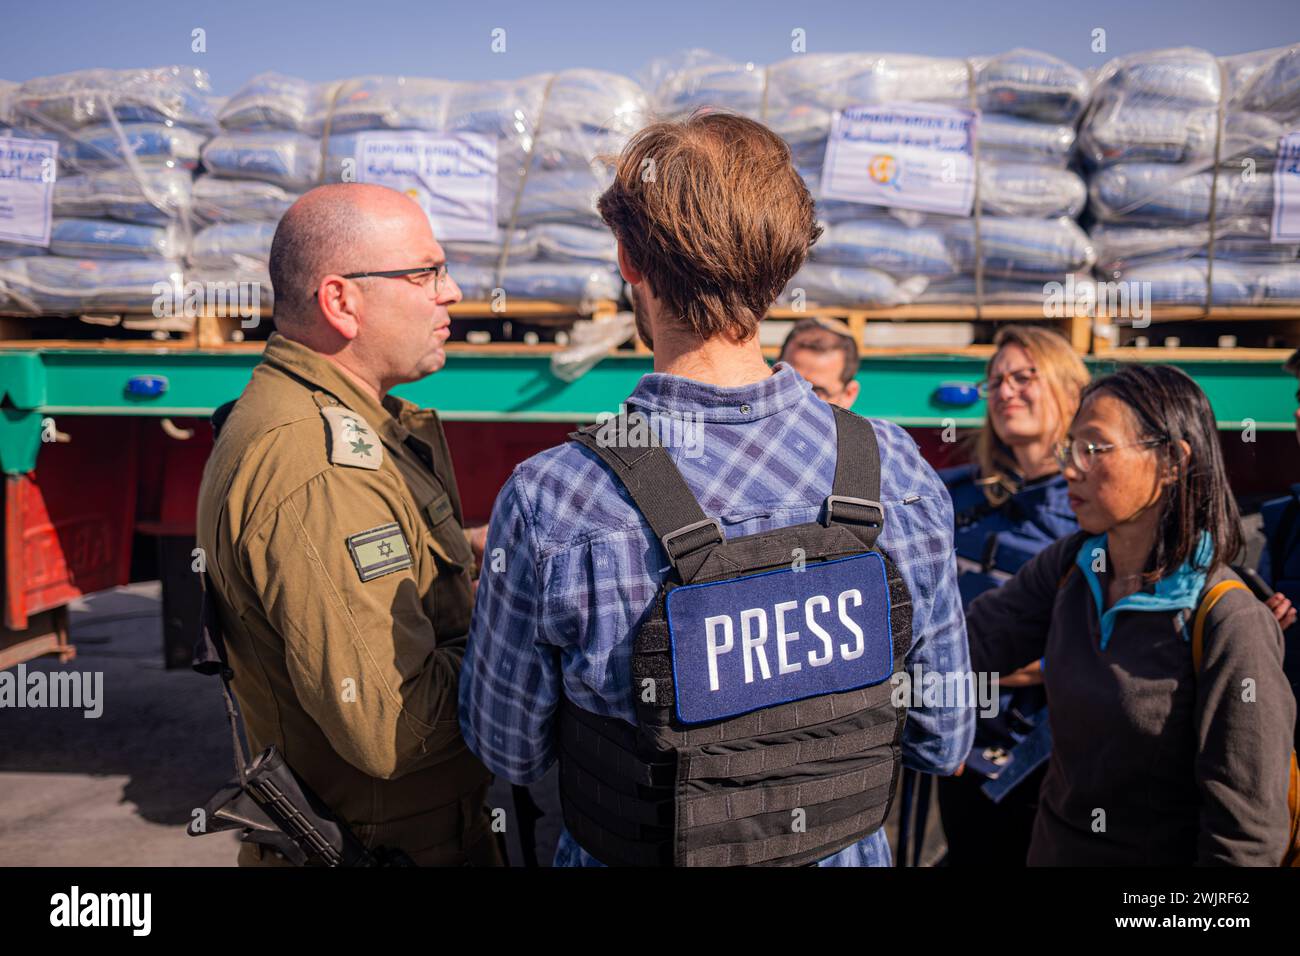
(992, 544)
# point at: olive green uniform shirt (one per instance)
(332, 530)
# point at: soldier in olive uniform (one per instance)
(332, 529)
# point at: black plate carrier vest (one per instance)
(786, 785)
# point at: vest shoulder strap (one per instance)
(854, 501)
(687, 534)
(660, 493)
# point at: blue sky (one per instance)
(322, 39)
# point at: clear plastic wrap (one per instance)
(886, 246)
(1159, 194)
(161, 196)
(1241, 238)
(577, 283)
(105, 239)
(1015, 248)
(1234, 283)
(164, 95)
(268, 101)
(8, 93)
(289, 160)
(232, 246)
(823, 284)
(1029, 102)
(1152, 134)
(797, 96)
(115, 146)
(59, 285)
(960, 290)
(238, 200)
(562, 242)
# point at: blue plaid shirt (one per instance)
(581, 568)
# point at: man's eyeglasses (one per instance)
(1020, 378)
(1082, 453)
(427, 277)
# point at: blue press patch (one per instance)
(764, 639)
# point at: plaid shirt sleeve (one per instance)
(510, 679)
(936, 737)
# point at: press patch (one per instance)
(764, 639)
(379, 551)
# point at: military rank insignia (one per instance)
(379, 551)
(352, 441)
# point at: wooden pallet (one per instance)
(1252, 327)
(218, 329)
(1077, 328)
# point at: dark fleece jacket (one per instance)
(1152, 764)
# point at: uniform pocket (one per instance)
(446, 535)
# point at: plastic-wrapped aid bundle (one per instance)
(232, 245)
(1160, 194)
(565, 242)
(1006, 189)
(55, 284)
(1028, 104)
(797, 95)
(161, 195)
(268, 101)
(239, 200)
(286, 159)
(378, 102)
(886, 245)
(1183, 282)
(1242, 238)
(570, 282)
(170, 95)
(1164, 106)
(128, 142)
(1157, 124)
(1016, 248)
(109, 147)
(818, 283)
(106, 239)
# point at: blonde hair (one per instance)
(1063, 376)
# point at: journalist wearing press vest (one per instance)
(705, 636)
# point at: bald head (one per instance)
(331, 229)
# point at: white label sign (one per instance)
(915, 156)
(1286, 190)
(453, 178)
(28, 169)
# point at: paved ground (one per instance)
(119, 789)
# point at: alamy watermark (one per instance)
(240, 299)
(79, 690)
(931, 688)
(1129, 302)
(636, 429)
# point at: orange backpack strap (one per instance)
(1292, 855)
(1207, 604)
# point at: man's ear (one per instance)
(851, 393)
(629, 272)
(340, 304)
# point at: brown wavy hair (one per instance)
(712, 212)
(1064, 377)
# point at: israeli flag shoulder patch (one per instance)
(379, 551)
(352, 441)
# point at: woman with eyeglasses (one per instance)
(1154, 760)
(1009, 504)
